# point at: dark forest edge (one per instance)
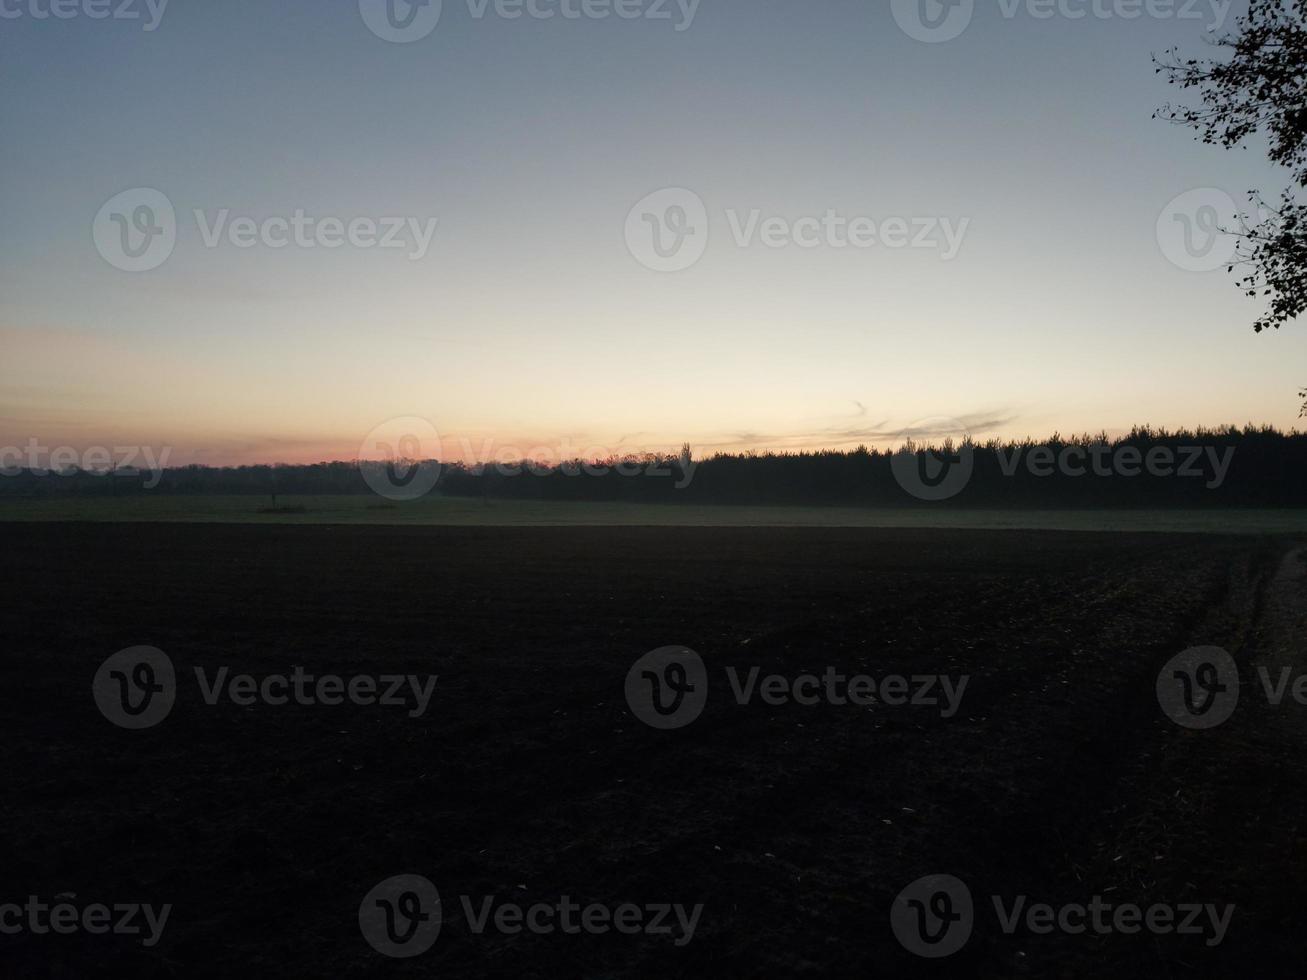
(1219, 467)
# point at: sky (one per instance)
(1008, 185)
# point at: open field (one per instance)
(459, 511)
(529, 778)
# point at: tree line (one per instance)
(1148, 467)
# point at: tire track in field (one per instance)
(766, 811)
(1203, 816)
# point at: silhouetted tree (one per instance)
(1258, 84)
(1223, 467)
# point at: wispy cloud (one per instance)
(836, 436)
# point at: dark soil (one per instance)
(529, 778)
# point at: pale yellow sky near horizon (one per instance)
(102, 391)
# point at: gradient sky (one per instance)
(529, 322)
